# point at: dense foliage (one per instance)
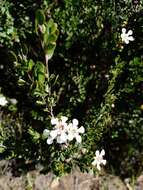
(67, 58)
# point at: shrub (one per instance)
(67, 58)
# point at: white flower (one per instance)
(1, 66)
(98, 159)
(3, 101)
(63, 132)
(60, 130)
(74, 131)
(112, 105)
(127, 36)
(13, 101)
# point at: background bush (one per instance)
(93, 77)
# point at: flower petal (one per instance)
(3, 101)
(94, 163)
(102, 152)
(64, 119)
(98, 167)
(81, 129)
(97, 153)
(60, 140)
(69, 127)
(50, 140)
(131, 38)
(54, 133)
(122, 36)
(70, 137)
(63, 136)
(123, 30)
(130, 32)
(75, 122)
(104, 162)
(54, 121)
(126, 41)
(78, 138)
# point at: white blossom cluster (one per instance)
(98, 159)
(3, 100)
(63, 132)
(127, 36)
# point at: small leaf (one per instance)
(2, 149)
(42, 28)
(39, 72)
(52, 38)
(46, 133)
(21, 82)
(30, 64)
(35, 135)
(24, 49)
(52, 27)
(12, 56)
(41, 77)
(50, 50)
(40, 17)
(40, 102)
(47, 88)
(39, 20)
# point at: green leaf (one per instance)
(136, 61)
(35, 135)
(2, 149)
(50, 50)
(21, 82)
(24, 49)
(46, 133)
(12, 56)
(39, 20)
(52, 38)
(30, 64)
(41, 77)
(40, 17)
(51, 26)
(39, 72)
(40, 102)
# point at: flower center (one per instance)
(60, 126)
